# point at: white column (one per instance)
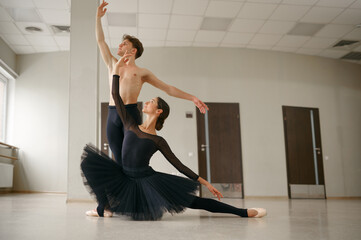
(83, 91)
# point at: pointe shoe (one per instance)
(94, 213)
(261, 212)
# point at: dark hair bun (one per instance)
(165, 107)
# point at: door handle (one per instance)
(318, 150)
(105, 146)
(203, 146)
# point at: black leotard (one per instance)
(138, 146)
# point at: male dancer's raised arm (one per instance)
(103, 46)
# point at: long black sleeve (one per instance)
(169, 155)
(119, 104)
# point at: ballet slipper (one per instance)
(261, 212)
(94, 213)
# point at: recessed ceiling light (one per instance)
(60, 29)
(215, 24)
(306, 29)
(33, 29)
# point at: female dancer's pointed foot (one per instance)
(94, 213)
(256, 212)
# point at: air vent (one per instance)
(352, 56)
(60, 29)
(343, 43)
(33, 29)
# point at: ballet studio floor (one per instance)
(47, 216)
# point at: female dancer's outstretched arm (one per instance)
(169, 155)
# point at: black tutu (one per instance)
(142, 194)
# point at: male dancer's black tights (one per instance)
(115, 136)
(215, 206)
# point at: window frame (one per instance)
(4, 111)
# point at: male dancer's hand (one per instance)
(200, 105)
(101, 10)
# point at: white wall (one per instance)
(40, 127)
(261, 82)
(7, 58)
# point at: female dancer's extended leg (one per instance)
(219, 207)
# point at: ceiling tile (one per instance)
(233, 45)
(354, 35)
(122, 19)
(55, 17)
(190, 7)
(205, 44)
(124, 6)
(265, 1)
(185, 22)
(356, 4)
(62, 40)
(321, 14)
(177, 44)
(285, 49)
(23, 25)
(181, 35)
(256, 11)
(24, 14)
(17, 3)
(209, 36)
(223, 9)
(4, 16)
(15, 39)
(246, 25)
(300, 2)
(330, 53)
(41, 40)
(9, 27)
(358, 49)
(292, 41)
(265, 39)
(46, 48)
(23, 49)
(215, 24)
(51, 4)
(153, 21)
(238, 38)
(289, 12)
(155, 6)
(152, 34)
(309, 51)
(349, 16)
(118, 32)
(64, 48)
(260, 47)
(317, 42)
(334, 3)
(277, 27)
(334, 30)
(151, 43)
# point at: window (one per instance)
(3, 87)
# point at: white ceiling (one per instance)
(258, 24)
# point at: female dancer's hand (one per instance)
(214, 191)
(200, 105)
(101, 10)
(121, 62)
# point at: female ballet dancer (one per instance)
(134, 188)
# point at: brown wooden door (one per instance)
(104, 117)
(224, 148)
(303, 152)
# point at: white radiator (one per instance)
(6, 175)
